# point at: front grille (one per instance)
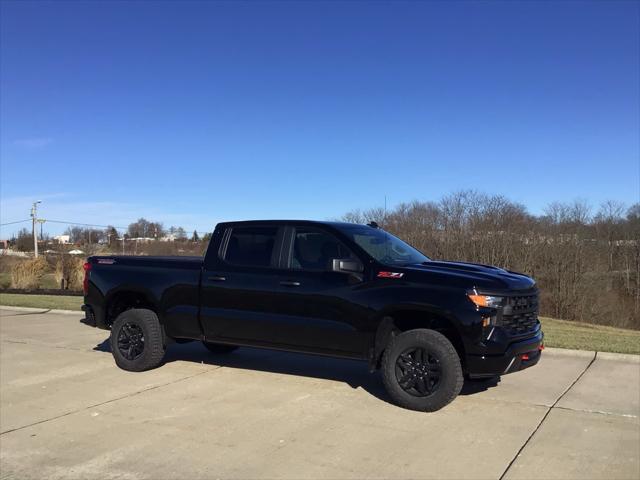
(520, 314)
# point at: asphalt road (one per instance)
(68, 412)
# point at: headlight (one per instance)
(486, 300)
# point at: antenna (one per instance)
(384, 220)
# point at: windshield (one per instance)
(383, 246)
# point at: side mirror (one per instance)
(346, 266)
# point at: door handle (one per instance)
(217, 278)
(289, 283)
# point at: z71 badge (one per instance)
(390, 275)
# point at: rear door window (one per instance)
(251, 246)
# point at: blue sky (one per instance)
(195, 112)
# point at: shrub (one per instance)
(69, 268)
(29, 273)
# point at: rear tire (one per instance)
(421, 370)
(136, 340)
(219, 348)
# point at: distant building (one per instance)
(62, 239)
(142, 239)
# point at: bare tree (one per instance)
(574, 256)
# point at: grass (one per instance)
(41, 301)
(558, 333)
(48, 280)
(584, 336)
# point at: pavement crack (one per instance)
(598, 412)
(129, 395)
(544, 417)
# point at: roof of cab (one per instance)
(288, 222)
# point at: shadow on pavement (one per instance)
(354, 373)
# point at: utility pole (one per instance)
(41, 222)
(34, 219)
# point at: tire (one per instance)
(421, 370)
(136, 340)
(219, 348)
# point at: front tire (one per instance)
(136, 340)
(421, 370)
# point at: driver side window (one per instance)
(314, 250)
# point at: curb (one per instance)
(619, 357)
(566, 352)
(37, 310)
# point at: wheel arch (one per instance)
(125, 299)
(404, 318)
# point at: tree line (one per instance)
(586, 262)
(87, 236)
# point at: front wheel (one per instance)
(421, 370)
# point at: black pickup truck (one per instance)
(327, 288)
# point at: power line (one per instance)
(82, 224)
(86, 224)
(11, 223)
(109, 226)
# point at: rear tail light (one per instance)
(85, 282)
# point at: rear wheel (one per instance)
(136, 340)
(421, 370)
(219, 347)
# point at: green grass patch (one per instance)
(41, 301)
(584, 336)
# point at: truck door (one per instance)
(321, 310)
(240, 285)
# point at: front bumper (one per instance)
(520, 355)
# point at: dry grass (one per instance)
(29, 273)
(69, 269)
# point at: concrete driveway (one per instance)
(68, 412)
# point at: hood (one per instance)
(472, 275)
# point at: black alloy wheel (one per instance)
(137, 340)
(131, 341)
(421, 370)
(418, 372)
